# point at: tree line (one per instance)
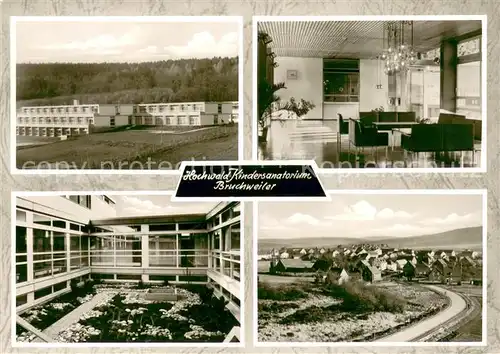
(182, 80)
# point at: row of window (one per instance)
(52, 254)
(63, 109)
(55, 120)
(167, 107)
(230, 213)
(166, 120)
(41, 219)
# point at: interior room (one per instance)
(359, 94)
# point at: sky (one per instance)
(140, 205)
(42, 42)
(369, 215)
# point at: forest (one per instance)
(182, 80)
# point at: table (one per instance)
(393, 125)
(398, 132)
(401, 127)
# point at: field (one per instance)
(307, 312)
(132, 149)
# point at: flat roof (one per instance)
(150, 219)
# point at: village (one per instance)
(374, 263)
(369, 292)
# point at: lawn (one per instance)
(308, 312)
(132, 149)
(123, 314)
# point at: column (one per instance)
(29, 255)
(405, 91)
(229, 248)
(448, 82)
(145, 251)
(177, 250)
(210, 246)
(67, 242)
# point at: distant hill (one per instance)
(466, 238)
(183, 80)
(470, 237)
(307, 242)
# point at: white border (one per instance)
(484, 321)
(484, 93)
(311, 163)
(15, 344)
(238, 20)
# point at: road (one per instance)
(432, 324)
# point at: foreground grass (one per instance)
(283, 292)
(472, 331)
(356, 299)
(132, 149)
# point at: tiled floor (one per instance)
(317, 140)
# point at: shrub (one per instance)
(286, 292)
(357, 297)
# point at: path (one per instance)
(408, 334)
(72, 317)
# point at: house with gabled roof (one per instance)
(422, 270)
(303, 252)
(323, 264)
(293, 266)
(370, 274)
(284, 255)
(337, 276)
(445, 254)
(467, 261)
(410, 258)
(371, 254)
(400, 263)
(391, 265)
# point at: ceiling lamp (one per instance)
(398, 53)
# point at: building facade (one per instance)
(77, 119)
(62, 238)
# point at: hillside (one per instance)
(183, 80)
(309, 242)
(470, 237)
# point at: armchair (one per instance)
(362, 136)
(441, 137)
(342, 129)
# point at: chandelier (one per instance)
(398, 52)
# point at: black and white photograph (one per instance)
(373, 266)
(124, 93)
(125, 268)
(371, 92)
